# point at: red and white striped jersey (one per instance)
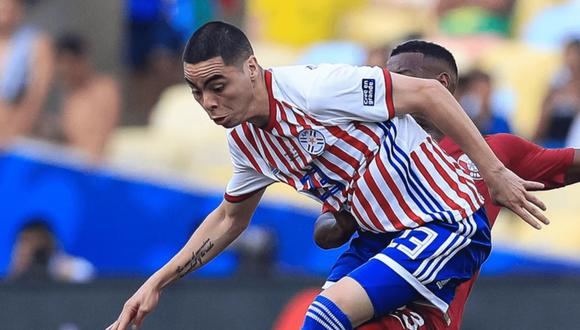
(334, 136)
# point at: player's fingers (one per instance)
(527, 217)
(113, 326)
(139, 319)
(536, 213)
(532, 185)
(125, 318)
(536, 201)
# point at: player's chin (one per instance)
(229, 124)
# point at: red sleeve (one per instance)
(530, 161)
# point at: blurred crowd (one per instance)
(519, 63)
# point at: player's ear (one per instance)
(445, 79)
(252, 67)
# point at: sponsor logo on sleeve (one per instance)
(368, 89)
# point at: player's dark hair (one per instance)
(71, 44)
(216, 39)
(429, 49)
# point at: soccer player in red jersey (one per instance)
(553, 167)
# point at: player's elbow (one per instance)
(325, 230)
(322, 239)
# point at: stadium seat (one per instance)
(526, 71)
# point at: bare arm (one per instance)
(431, 100)
(22, 116)
(217, 231)
(332, 230)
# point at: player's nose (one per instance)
(209, 102)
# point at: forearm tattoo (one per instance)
(196, 259)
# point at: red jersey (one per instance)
(530, 162)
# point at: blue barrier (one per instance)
(127, 226)
(131, 227)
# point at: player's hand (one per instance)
(137, 307)
(509, 190)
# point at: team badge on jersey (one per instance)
(368, 89)
(469, 167)
(312, 141)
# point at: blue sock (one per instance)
(323, 314)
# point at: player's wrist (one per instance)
(159, 280)
(494, 171)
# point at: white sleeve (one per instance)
(246, 180)
(341, 93)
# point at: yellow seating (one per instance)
(296, 22)
(377, 26)
(526, 71)
(561, 237)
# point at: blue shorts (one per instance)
(425, 262)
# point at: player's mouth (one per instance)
(219, 120)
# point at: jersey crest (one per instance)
(312, 141)
(469, 167)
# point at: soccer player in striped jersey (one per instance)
(343, 135)
(553, 167)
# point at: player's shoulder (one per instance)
(312, 70)
(297, 72)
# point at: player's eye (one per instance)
(196, 94)
(218, 88)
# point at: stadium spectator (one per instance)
(92, 101)
(37, 256)
(26, 69)
(477, 101)
(154, 44)
(562, 103)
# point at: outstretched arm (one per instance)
(218, 230)
(432, 101)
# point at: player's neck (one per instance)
(259, 111)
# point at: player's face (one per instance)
(224, 91)
(416, 65)
(419, 66)
(408, 64)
